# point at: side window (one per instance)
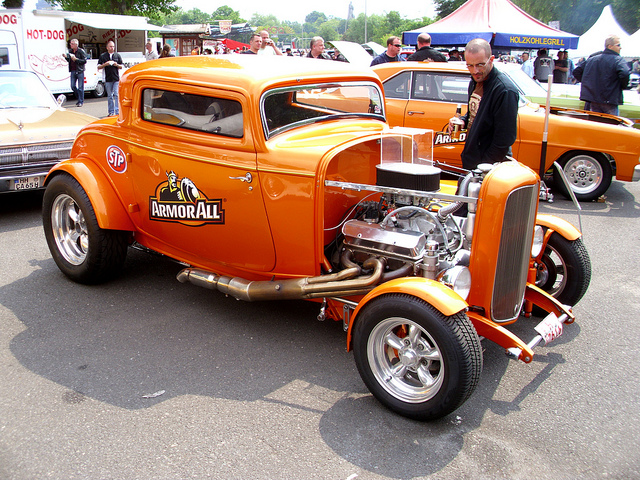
(441, 87)
(398, 86)
(218, 116)
(4, 56)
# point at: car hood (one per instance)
(40, 124)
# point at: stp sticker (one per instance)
(116, 159)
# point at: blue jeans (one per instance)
(112, 97)
(78, 91)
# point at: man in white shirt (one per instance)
(527, 64)
(150, 53)
(268, 46)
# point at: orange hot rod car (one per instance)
(280, 179)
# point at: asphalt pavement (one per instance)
(148, 378)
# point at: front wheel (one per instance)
(83, 251)
(564, 270)
(415, 360)
(589, 175)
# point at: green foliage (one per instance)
(447, 7)
(578, 16)
(12, 3)
(123, 7)
(227, 13)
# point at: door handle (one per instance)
(247, 178)
(413, 112)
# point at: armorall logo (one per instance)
(179, 200)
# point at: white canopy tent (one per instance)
(593, 39)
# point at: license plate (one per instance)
(550, 328)
(27, 183)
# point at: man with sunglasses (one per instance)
(491, 119)
(394, 46)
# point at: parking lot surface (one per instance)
(147, 378)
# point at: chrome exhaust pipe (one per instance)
(343, 283)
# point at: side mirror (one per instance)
(61, 99)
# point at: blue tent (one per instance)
(499, 22)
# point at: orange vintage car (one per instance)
(591, 148)
(280, 179)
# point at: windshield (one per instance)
(527, 85)
(23, 90)
(285, 108)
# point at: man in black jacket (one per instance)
(77, 59)
(491, 119)
(425, 52)
(603, 78)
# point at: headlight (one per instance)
(538, 238)
(458, 279)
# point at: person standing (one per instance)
(166, 51)
(425, 52)
(111, 62)
(543, 66)
(527, 64)
(392, 54)
(604, 77)
(561, 68)
(150, 53)
(254, 45)
(77, 59)
(491, 118)
(316, 49)
(268, 46)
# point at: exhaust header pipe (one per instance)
(345, 282)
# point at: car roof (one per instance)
(251, 73)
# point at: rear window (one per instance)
(217, 116)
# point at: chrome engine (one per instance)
(416, 232)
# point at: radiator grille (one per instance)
(36, 153)
(514, 254)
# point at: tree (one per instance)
(122, 7)
(227, 13)
(447, 7)
(315, 17)
(12, 3)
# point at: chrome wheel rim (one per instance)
(69, 230)
(405, 360)
(584, 173)
(552, 266)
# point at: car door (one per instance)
(194, 174)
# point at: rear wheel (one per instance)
(100, 90)
(589, 175)
(415, 360)
(564, 270)
(82, 250)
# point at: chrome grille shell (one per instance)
(514, 253)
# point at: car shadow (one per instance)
(145, 338)
(617, 202)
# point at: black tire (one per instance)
(390, 337)
(83, 251)
(565, 269)
(589, 175)
(100, 90)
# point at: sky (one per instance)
(297, 10)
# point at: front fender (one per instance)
(110, 212)
(434, 293)
(564, 228)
